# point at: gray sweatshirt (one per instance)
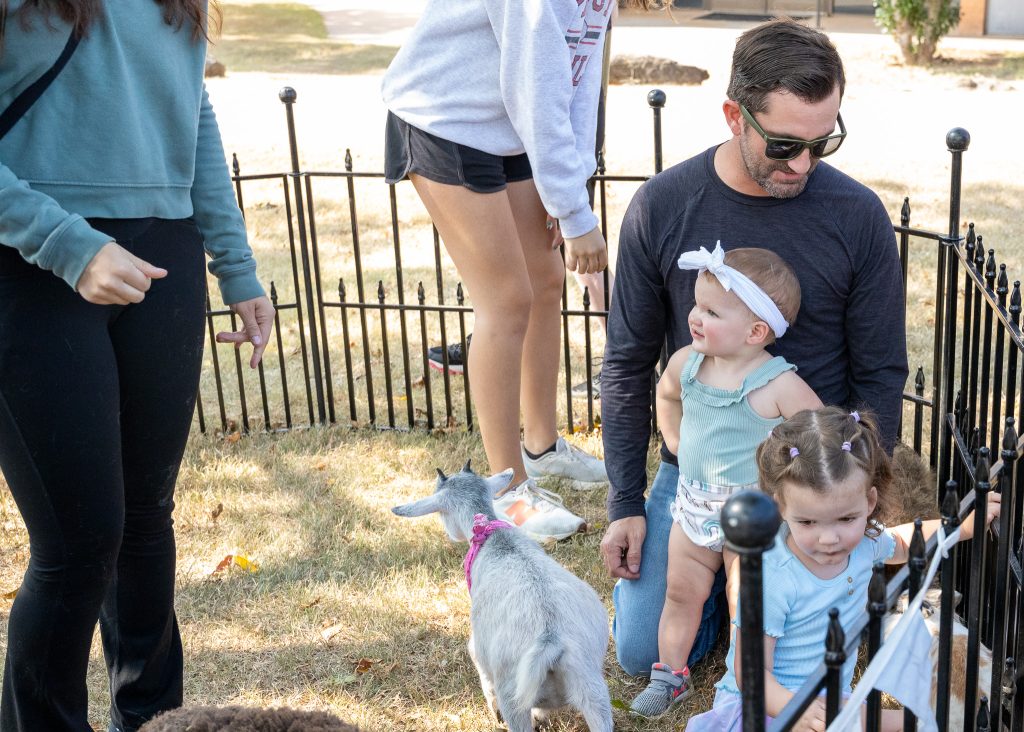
(507, 77)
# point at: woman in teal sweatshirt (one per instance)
(112, 183)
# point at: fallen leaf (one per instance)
(12, 594)
(419, 382)
(328, 633)
(223, 564)
(321, 465)
(217, 511)
(233, 437)
(365, 664)
(311, 603)
(345, 680)
(247, 564)
(619, 704)
(239, 560)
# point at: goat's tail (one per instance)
(535, 665)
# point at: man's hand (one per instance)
(621, 546)
(115, 276)
(586, 254)
(257, 321)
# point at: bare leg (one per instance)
(480, 234)
(691, 573)
(540, 355)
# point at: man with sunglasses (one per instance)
(765, 187)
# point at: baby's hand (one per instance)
(813, 720)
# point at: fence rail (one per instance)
(352, 334)
(977, 401)
(358, 351)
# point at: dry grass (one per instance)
(359, 612)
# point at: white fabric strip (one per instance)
(738, 283)
(885, 673)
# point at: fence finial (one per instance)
(656, 98)
(958, 139)
(287, 95)
(750, 520)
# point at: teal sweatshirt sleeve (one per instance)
(218, 217)
(44, 233)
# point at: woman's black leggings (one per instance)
(96, 403)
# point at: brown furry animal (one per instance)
(913, 488)
(245, 719)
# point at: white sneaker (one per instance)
(537, 512)
(570, 464)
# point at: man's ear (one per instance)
(733, 116)
(759, 334)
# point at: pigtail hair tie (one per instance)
(856, 416)
(793, 452)
(847, 447)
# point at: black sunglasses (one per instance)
(786, 148)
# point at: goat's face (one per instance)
(455, 498)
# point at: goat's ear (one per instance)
(422, 507)
(500, 481)
(466, 468)
(441, 477)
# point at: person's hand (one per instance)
(257, 321)
(556, 232)
(586, 254)
(813, 720)
(993, 506)
(115, 276)
(621, 546)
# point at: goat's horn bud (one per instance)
(466, 468)
(440, 474)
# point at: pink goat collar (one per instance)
(482, 528)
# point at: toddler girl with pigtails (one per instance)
(828, 472)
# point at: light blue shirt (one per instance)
(796, 605)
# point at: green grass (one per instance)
(289, 38)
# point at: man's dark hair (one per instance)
(784, 55)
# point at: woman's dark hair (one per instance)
(784, 55)
(81, 13)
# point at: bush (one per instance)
(917, 25)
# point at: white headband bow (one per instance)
(739, 284)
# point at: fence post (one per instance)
(957, 141)
(287, 95)
(835, 657)
(950, 522)
(981, 490)
(750, 520)
(656, 98)
(917, 563)
(1008, 455)
(877, 607)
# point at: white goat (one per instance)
(539, 634)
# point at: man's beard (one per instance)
(760, 169)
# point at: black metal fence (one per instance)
(979, 400)
(355, 318)
(356, 352)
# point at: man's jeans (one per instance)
(638, 602)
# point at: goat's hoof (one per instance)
(541, 719)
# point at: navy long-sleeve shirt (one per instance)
(848, 340)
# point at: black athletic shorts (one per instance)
(408, 149)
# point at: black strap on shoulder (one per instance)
(27, 98)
